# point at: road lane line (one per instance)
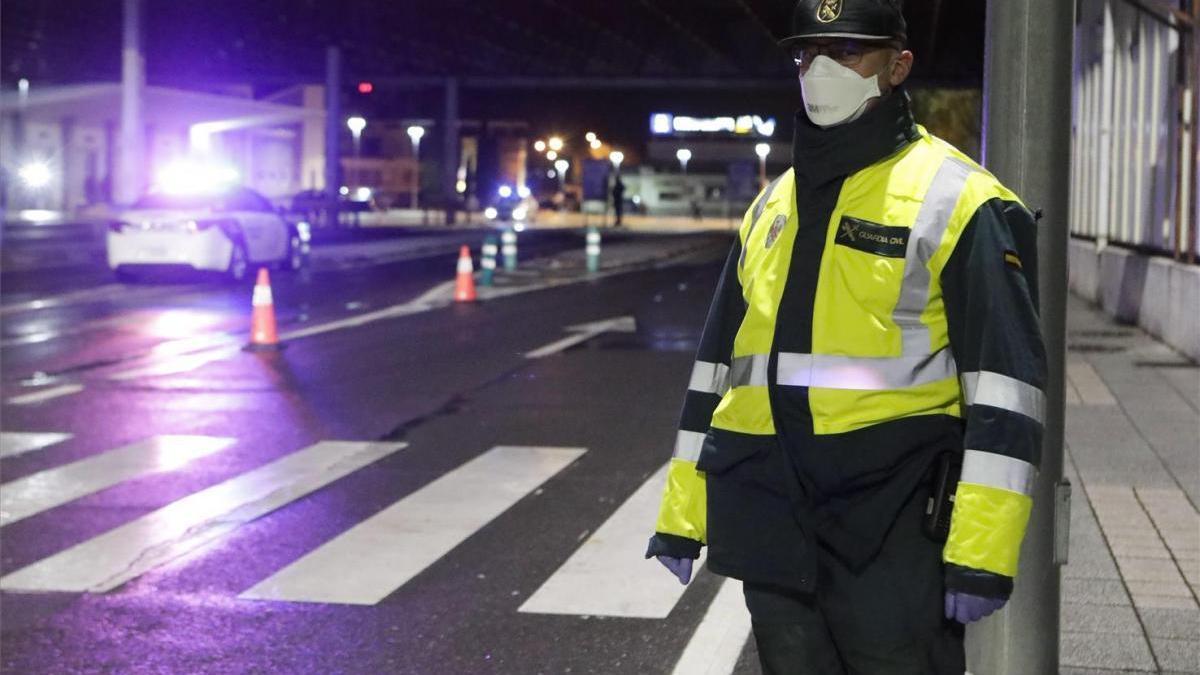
(437, 297)
(607, 575)
(19, 442)
(718, 641)
(44, 395)
(393, 546)
(583, 333)
(97, 294)
(111, 559)
(22, 498)
(178, 364)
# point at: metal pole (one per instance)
(1027, 89)
(1193, 84)
(416, 186)
(131, 168)
(333, 130)
(450, 149)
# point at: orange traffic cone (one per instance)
(464, 286)
(262, 327)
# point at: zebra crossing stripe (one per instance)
(396, 544)
(20, 442)
(24, 497)
(111, 559)
(718, 641)
(43, 395)
(607, 575)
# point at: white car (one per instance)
(228, 231)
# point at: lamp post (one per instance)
(561, 166)
(683, 155)
(616, 157)
(415, 132)
(356, 125)
(762, 150)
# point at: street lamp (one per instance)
(590, 137)
(562, 165)
(540, 146)
(616, 157)
(683, 155)
(762, 150)
(415, 132)
(356, 124)
(556, 143)
(552, 155)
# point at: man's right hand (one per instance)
(680, 567)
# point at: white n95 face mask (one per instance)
(835, 94)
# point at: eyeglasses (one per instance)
(848, 53)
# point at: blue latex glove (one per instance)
(966, 608)
(680, 567)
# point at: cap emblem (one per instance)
(829, 10)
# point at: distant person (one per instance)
(618, 197)
(696, 212)
(872, 359)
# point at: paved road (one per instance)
(411, 494)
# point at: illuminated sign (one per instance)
(666, 124)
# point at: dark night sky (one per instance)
(274, 43)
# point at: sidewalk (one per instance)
(1130, 590)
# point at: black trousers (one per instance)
(886, 619)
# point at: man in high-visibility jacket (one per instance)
(875, 324)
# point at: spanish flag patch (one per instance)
(1011, 259)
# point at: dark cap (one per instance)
(861, 19)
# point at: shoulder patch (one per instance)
(890, 241)
(1012, 259)
(777, 226)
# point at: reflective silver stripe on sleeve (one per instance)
(932, 220)
(998, 471)
(759, 207)
(749, 371)
(710, 378)
(864, 374)
(688, 445)
(1004, 392)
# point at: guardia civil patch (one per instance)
(863, 235)
(777, 226)
(829, 10)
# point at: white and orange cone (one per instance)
(464, 285)
(262, 326)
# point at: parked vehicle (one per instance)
(227, 231)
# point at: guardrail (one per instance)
(1134, 148)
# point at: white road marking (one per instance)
(438, 297)
(111, 559)
(583, 333)
(607, 575)
(43, 395)
(84, 295)
(718, 641)
(22, 498)
(176, 365)
(20, 442)
(1090, 386)
(75, 329)
(398, 543)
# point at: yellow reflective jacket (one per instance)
(878, 309)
